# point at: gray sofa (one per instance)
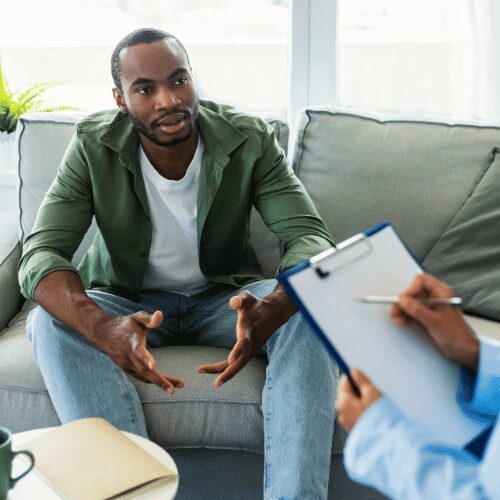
(359, 170)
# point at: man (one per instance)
(401, 457)
(171, 182)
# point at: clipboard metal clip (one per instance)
(346, 252)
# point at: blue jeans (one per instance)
(298, 396)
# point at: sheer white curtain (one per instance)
(485, 81)
(420, 58)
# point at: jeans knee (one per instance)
(41, 328)
(297, 330)
(297, 340)
(293, 336)
(37, 320)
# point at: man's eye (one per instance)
(144, 90)
(181, 81)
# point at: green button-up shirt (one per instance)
(100, 175)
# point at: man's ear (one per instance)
(120, 101)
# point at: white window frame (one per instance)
(313, 62)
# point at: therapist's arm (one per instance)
(479, 389)
(403, 459)
(398, 456)
(445, 325)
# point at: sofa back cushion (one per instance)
(43, 139)
(360, 170)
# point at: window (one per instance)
(238, 48)
(407, 56)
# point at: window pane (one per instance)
(238, 49)
(402, 55)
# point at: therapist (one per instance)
(404, 459)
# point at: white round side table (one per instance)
(34, 487)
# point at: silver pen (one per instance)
(388, 299)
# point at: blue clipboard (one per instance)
(321, 289)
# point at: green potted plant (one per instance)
(13, 104)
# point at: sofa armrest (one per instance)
(10, 253)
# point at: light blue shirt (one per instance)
(405, 460)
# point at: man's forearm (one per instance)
(62, 294)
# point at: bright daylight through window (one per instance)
(419, 58)
(238, 48)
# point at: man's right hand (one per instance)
(123, 339)
(444, 324)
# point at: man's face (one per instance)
(158, 92)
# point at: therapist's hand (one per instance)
(349, 406)
(445, 325)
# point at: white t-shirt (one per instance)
(173, 264)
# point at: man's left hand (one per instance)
(258, 319)
(349, 406)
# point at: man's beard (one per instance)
(149, 131)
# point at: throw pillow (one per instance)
(467, 255)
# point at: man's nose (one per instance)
(166, 98)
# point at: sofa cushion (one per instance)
(360, 170)
(467, 255)
(24, 401)
(43, 139)
(200, 415)
(196, 416)
(9, 257)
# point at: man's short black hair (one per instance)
(142, 35)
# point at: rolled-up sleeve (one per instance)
(286, 208)
(63, 219)
(479, 392)
(403, 459)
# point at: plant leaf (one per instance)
(29, 98)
